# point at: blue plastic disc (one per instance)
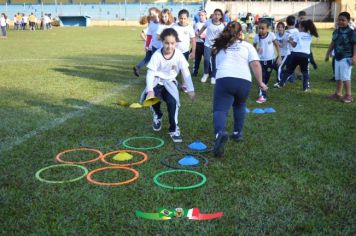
(258, 111)
(197, 145)
(188, 161)
(247, 110)
(269, 110)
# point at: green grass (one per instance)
(293, 174)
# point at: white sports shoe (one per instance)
(204, 78)
(212, 80)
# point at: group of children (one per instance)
(23, 21)
(169, 45)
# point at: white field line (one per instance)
(6, 146)
(62, 59)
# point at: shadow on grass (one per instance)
(105, 68)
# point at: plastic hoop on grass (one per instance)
(38, 173)
(155, 180)
(91, 180)
(164, 161)
(59, 155)
(145, 157)
(179, 147)
(142, 148)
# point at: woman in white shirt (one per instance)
(234, 59)
(3, 25)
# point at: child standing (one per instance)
(266, 44)
(300, 55)
(213, 28)
(344, 46)
(3, 26)
(186, 34)
(199, 45)
(161, 82)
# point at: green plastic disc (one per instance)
(126, 141)
(155, 180)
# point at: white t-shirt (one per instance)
(158, 43)
(212, 32)
(167, 68)
(2, 21)
(283, 44)
(266, 46)
(303, 41)
(292, 33)
(185, 34)
(197, 27)
(152, 30)
(235, 61)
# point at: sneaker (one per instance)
(204, 78)
(347, 99)
(334, 96)
(277, 85)
(315, 66)
(220, 141)
(237, 136)
(195, 74)
(307, 90)
(261, 99)
(212, 80)
(157, 123)
(136, 71)
(175, 136)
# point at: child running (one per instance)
(166, 20)
(161, 82)
(234, 59)
(151, 31)
(213, 28)
(286, 48)
(265, 43)
(344, 45)
(186, 35)
(300, 55)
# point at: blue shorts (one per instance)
(343, 69)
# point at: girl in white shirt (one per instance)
(234, 59)
(161, 82)
(3, 25)
(186, 34)
(301, 53)
(266, 44)
(213, 28)
(166, 20)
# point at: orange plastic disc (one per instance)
(145, 157)
(90, 179)
(59, 155)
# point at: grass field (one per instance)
(293, 174)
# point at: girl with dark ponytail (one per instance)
(300, 55)
(234, 57)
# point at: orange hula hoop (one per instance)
(59, 155)
(145, 157)
(91, 173)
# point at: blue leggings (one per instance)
(229, 92)
(207, 56)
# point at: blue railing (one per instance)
(130, 11)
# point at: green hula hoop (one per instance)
(161, 143)
(61, 181)
(155, 180)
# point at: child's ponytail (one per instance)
(230, 34)
(309, 26)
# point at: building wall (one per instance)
(318, 11)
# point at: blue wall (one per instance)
(131, 11)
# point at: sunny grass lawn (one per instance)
(294, 173)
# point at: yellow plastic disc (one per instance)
(122, 156)
(135, 105)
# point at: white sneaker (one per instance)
(204, 78)
(212, 80)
